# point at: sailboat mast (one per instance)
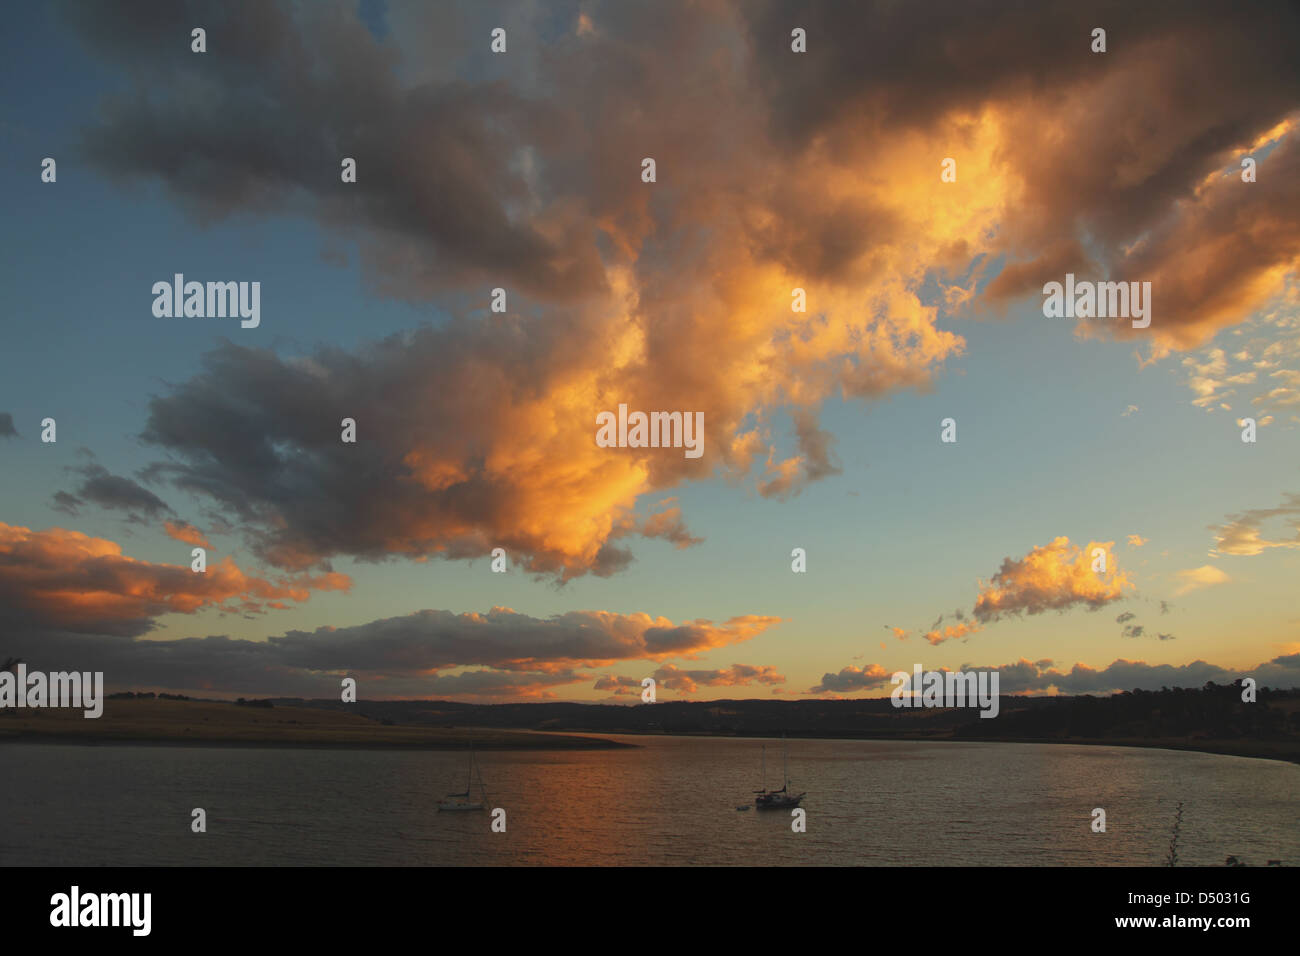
(765, 768)
(785, 761)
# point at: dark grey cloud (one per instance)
(7, 429)
(1024, 676)
(851, 679)
(259, 435)
(114, 492)
(401, 656)
(1031, 677)
(66, 503)
(263, 120)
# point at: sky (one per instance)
(774, 170)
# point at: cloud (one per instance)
(737, 675)
(186, 533)
(618, 684)
(1136, 540)
(951, 632)
(66, 503)
(1242, 534)
(1055, 576)
(1038, 677)
(689, 681)
(1205, 283)
(1125, 617)
(850, 679)
(113, 492)
(1202, 577)
(1124, 674)
(492, 685)
(60, 580)
(405, 656)
(1154, 184)
(7, 429)
(522, 171)
(668, 524)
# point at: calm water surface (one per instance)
(671, 801)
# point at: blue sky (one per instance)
(907, 530)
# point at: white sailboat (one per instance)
(781, 799)
(465, 801)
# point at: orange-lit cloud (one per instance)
(64, 580)
(951, 632)
(688, 681)
(820, 174)
(737, 675)
(1243, 533)
(185, 532)
(1054, 576)
(1051, 577)
(496, 654)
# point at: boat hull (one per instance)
(778, 803)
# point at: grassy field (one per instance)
(216, 722)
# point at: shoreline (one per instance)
(219, 724)
(1282, 751)
(521, 739)
(546, 741)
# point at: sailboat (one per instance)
(781, 799)
(464, 801)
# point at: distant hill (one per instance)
(129, 718)
(1211, 718)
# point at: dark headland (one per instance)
(259, 724)
(1210, 719)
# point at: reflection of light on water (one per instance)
(671, 801)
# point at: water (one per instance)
(672, 801)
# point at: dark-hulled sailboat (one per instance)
(466, 801)
(781, 799)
